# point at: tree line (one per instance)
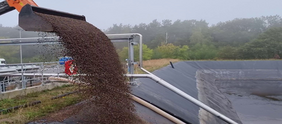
(246, 38)
(241, 38)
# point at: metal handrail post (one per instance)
(42, 69)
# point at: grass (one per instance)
(47, 106)
(152, 65)
(6, 103)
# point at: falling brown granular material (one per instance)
(96, 57)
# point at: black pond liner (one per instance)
(202, 80)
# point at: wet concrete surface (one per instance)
(255, 94)
(254, 109)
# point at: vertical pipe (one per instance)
(58, 71)
(4, 86)
(140, 50)
(1, 87)
(42, 69)
(8, 81)
(33, 75)
(21, 57)
(131, 57)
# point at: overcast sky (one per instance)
(104, 13)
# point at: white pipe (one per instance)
(157, 110)
(29, 38)
(67, 80)
(61, 79)
(186, 96)
(138, 75)
(21, 57)
(141, 50)
(34, 74)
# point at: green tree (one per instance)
(123, 54)
(168, 50)
(119, 29)
(157, 41)
(147, 53)
(238, 31)
(199, 37)
(202, 51)
(156, 54)
(10, 53)
(171, 51)
(266, 46)
(228, 52)
(183, 53)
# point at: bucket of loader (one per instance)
(30, 21)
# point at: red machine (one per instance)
(70, 67)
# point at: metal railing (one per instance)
(13, 77)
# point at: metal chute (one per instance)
(30, 21)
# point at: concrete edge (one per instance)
(22, 92)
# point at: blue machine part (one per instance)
(64, 59)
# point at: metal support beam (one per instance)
(21, 58)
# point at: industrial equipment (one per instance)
(70, 67)
(28, 18)
(64, 59)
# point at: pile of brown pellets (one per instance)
(95, 56)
